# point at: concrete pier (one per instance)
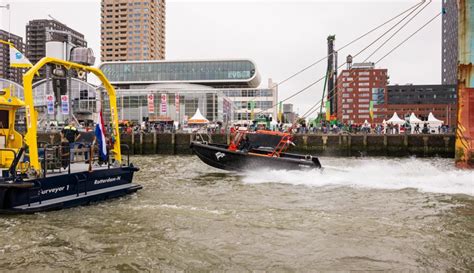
(440, 145)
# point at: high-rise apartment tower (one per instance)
(132, 30)
(38, 32)
(449, 61)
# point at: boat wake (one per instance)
(425, 175)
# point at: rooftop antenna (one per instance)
(49, 15)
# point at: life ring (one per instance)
(308, 157)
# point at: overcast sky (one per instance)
(280, 36)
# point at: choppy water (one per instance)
(357, 214)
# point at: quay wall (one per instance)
(421, 145)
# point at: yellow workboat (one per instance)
(48, 178)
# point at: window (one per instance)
(4, 119)
(364, 84)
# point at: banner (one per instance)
(328, 110)
(164, 106)
(280, 111)
(176, 102)
(227, 109)
(50, 104)
(252, 107)
(371, 110)
(151, 103)
(65, 104)
(17, 59)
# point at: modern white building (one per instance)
(224, 90)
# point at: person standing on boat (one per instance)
(71, 134)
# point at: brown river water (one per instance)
(356, 214)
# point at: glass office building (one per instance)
(210, 73)
(222, 89)
(163, 105)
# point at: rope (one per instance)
(383, 57)
(397, 31)
(358, 53)
(309, 112)
(351, 42)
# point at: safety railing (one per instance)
(58, 157)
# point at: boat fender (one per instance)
(308, 157)
(204, 142)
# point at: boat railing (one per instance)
(55, 158)
(199, 136)
(126, 148)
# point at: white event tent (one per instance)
(396, 120)
(434, 123)
(414, 120)
(198, 118)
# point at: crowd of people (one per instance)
(366, 128)
(299, 128)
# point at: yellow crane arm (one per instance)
(32, 119)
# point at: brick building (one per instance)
(423, 99)
(362, 83)
(357, 86)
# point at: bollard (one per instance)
(141, 143)
(325, 141)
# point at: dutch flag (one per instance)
(100, 136)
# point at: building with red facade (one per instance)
(423, 99)
(362, 83)
(357, 87)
